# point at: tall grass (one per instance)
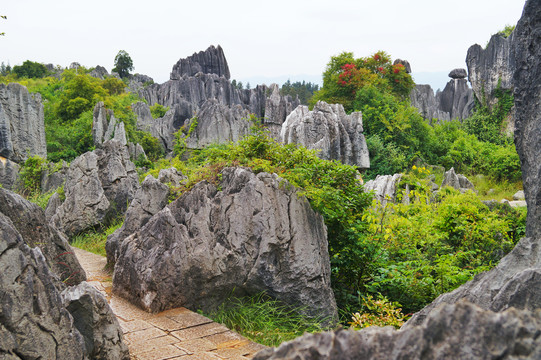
(94, 240)
(264, 320)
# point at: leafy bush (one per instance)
(158, 111)
(380, 312)
(30, 175)
(30, 69)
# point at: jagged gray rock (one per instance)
(384, 187)
(30, 222)
(34, 323)
(136, 152)
(22, 127)
(104, 129)
(491, 66)
(96, 322)
(210, 61)
(149, 200)
(422, 97)
(52, 205)
(458, 331)
(329, 129)
(219, 124)
(255, 234)
(277, 108)
(53, 180)
(519, 195)
(456, 99)
(99, 186)
(9, 173)
(162, 128)
(457, 181)
(171, 176)
(99, 72)
(515, 280)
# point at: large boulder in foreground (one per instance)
(37, 319)
(99, 186)
(22, 125)
(329, 129)
(458, 331)
(516, 280)
(148, 200)
(252, 234)
(30, 222)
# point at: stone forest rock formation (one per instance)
(99, 186)
(468, 322)
(454, 102)
(327, 128)
(22, 127)
(42, 316)
(384, 186)
(254, 233)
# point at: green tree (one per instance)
(30, 69)
(123, 64)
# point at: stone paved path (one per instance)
(172, 334)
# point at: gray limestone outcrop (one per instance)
(22, 127)
(458, 74)
(95, 321)
(199, 79)
(514, 282)
(106, 127)
(34, 323)
(171, 177)
(151, 197)
(30, 222)
(219, 124)
(41, 318)
(210, 61)
(457, 181)
(327, 128)
(99, 186)
(458, 331)
(252, 234)
(9, 173)
(456, 101)
(53, 179)
(99, 72)
(384, 186)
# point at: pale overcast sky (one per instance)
(261, 39)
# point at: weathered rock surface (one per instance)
(29, 221)
(519, 195)
(219, 124)
(458, 331)
(99, 72)
(492, 65)
(106, 127)
(53, 180)
(210, 61)
(22, 127)
(34, 323)
(9, 173)
(171, 176)
(406, 64)
(201, 78)
(422, 97)
(384, 187)
(149, 200)
(96, 322)
(277, 108)
(456, 181)
(454, 102)
(99, 186)
(255, 234)
(515, 280)
(458, 74)
(329, 129)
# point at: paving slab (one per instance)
(172, 334)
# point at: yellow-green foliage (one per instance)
(380, 312)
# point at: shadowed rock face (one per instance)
(30, 222)
(327, 128)
(22, 127)
(41, 317)
(457, 331)
(99, 185)
(255, 234)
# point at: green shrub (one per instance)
(30, 69)
(158, 111)
(30, 175)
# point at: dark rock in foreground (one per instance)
(30, 222)
(254, 234)
(458, 331)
